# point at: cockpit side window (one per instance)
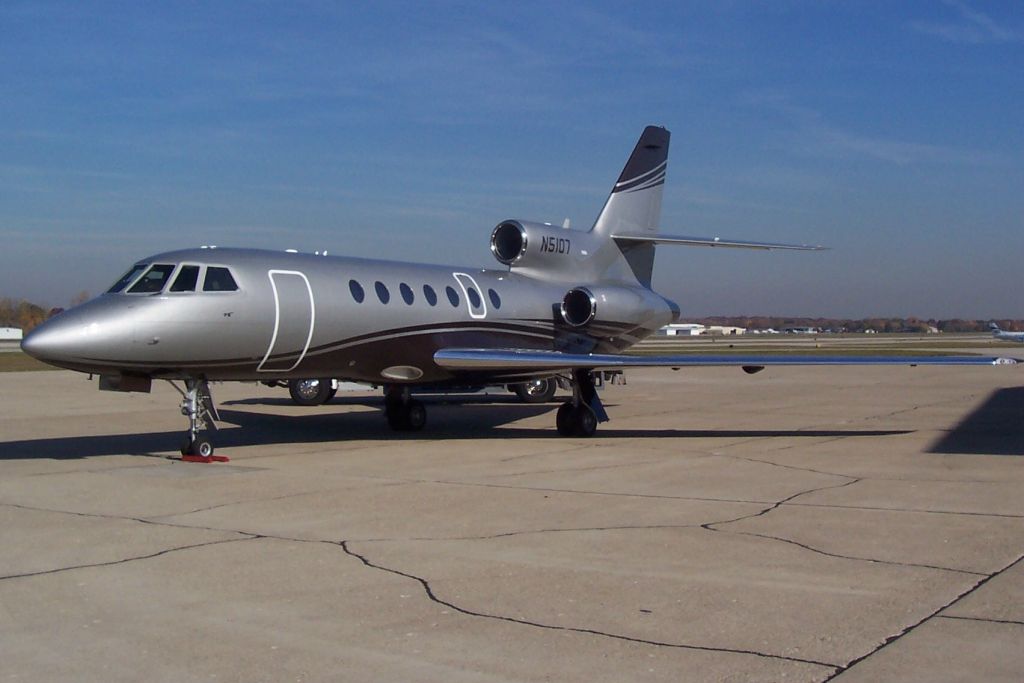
(187, 278)
(127, 278)
(219, 279)
(154, 279)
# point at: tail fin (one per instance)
(634, 205)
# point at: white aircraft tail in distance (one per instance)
(1003, 335)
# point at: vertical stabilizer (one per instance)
(634, 205)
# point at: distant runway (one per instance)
(801, 524)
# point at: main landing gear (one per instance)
(579, 416)
(404, 413)
(197, 406)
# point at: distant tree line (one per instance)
(27, 315)
(839, 325)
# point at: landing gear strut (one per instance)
(404, 413)
(579, 416)
(197, 406)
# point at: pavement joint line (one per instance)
(243, 501)
(559, 451)
(590, 468)
(525, 532)
(432, 596)
(717, 500)
(908, 629)
(981, 619)
(95, 470)
(837, 506)
(788, 467)
(542, 489)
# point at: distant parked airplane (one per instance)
(1006, 336)
(567, 303)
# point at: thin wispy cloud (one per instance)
(971, 27)
(810, 133)
(834, 141)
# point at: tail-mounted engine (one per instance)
(528, 245)
(630, 306)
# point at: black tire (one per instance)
(202, 447)
(395, 415)
(565, 419)
(415, 416)
(537, 390)
(585, 421)
(310, 392)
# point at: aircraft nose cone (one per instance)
(74, 338)
(43, 343)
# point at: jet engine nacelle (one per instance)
(524, 244)
(640, 307)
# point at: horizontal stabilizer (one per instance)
(710, 242)
(523, 360)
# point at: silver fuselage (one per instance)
(296, 315)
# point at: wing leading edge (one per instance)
(525, 360)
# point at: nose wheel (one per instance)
(197, 405)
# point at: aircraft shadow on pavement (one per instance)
(475, 420)
(996, 427)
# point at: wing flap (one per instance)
(524, 360)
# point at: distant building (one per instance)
(727, 330)
(682, 330)
(10, 334)
(801, 330)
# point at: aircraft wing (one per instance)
(684, 240)
(527, 360)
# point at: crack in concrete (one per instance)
(433, 597)
(788, 501)
(774, 506)
(908, 629)
(855, 557)
(981, 619)
(125, 560)
(836, 669)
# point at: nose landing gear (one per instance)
(197, 405)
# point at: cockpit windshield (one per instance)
(127, 278)
(154, 279)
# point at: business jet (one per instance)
(564, 303)
(1006, 336)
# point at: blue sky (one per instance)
(891, 132)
